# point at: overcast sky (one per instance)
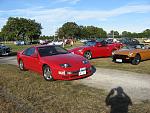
(120, 15)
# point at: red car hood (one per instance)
(71, 59)
(77, 48)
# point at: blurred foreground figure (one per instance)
(118, 100)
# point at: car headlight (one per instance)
(130, 54)
(80, 50)
(113, 52)
(65, 65)
(72, 52)
(85, 61)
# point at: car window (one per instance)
(29, 51)
(90, 43)
(60, 50)
(51, 50)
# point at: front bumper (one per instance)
(5, 53)
(122, 58)
(72, 75)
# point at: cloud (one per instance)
(51, 19)
(69, 1)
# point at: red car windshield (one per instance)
(51, 50)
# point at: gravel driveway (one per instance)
(136, 85)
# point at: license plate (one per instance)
(82, 71)
(118, 60)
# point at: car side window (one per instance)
(29, 51)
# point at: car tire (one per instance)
(88, 55)
(136, 60)
(47, 74)
(21, 65)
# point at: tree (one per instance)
(69, 29)
(21, 29)
(95, 32)
(113, 34)
(126, 34)
(1, 37)
(146, 33)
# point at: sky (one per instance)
(119, 15)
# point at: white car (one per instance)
(146, 40)
(58, 43)
(19, 43)
(83, 40)
(42, 41)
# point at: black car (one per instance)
(5, 50)
(129, 41)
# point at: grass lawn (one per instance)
(143, 67)
(16, 48)
(27, 92)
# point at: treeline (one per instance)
(28, 30)
(21, 29)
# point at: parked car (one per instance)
(129, 41)
(83, 40)
(5, 50)
(35, 42)
(59, 43)
(111, 40)
(93, 49)
(42, 42)
(18, 43)
(54, 62)
(132, 54)
(146, 40)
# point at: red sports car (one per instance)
(93, 49)
(54, 62)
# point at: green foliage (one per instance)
(47, 37)
(147, 33)
(92, 32)
(71, 29)
(144, 34)
(113, 34)
(21, 29)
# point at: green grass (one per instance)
(16, 48)
(143, 67)
(33, 92)
(22, 92)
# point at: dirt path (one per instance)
(136, 85)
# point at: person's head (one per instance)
(119, 90)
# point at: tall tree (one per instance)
(69, 29)
(126, 34)
(21, 29)
(146, 33)
(113, 34)
(95, 32)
